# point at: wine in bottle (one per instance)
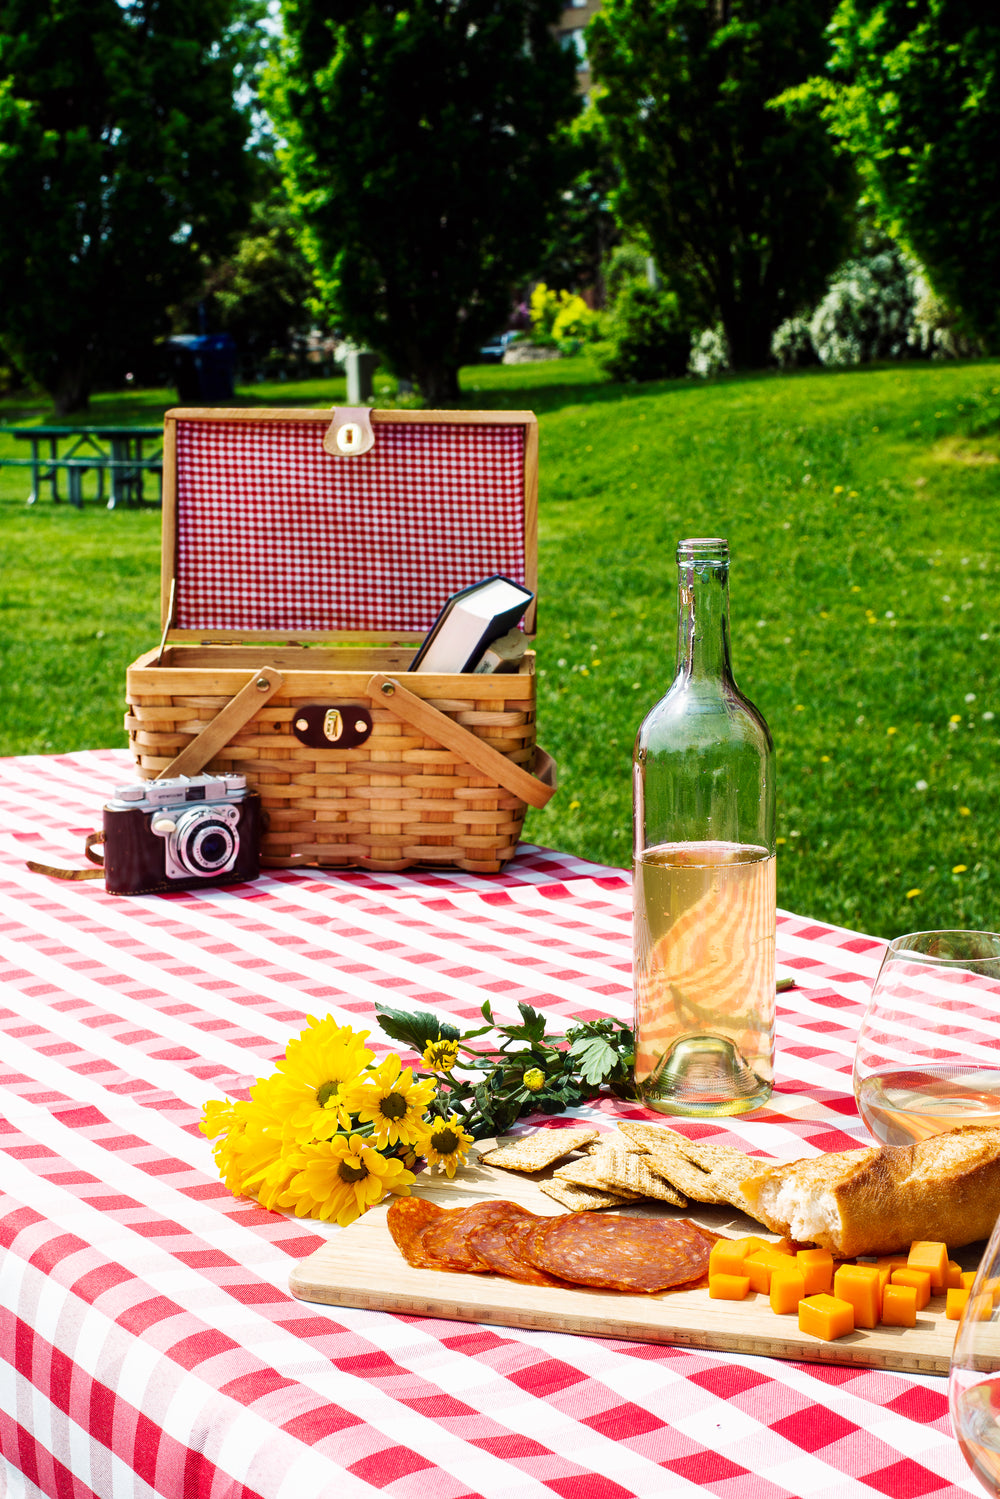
(704, 868)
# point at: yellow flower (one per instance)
(955, 718)
(534, 1079)
(911, 893)
(218, 1116)
(440, 1056)
(892, 731)
(341, 1179)
(248, 1134)
(959, 868)
(392, 1101)
(838, 489)
(310, 1082)
(448, 1144)
(574, 806)
(965, 812)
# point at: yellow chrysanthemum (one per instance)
(312, 1077)
(248, 1133)
(534, 1080)
(392, 1101)
(218, 1117)
(448, 1144)
(440, 1056)
(341, 1179)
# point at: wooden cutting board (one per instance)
(361, 1267)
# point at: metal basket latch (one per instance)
(350, 433)
(325, 726)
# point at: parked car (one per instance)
(493, 351)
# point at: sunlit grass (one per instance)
(863, 518)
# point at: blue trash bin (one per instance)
(204, 366)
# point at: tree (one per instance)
(583, 229)
(422, 162)
(122, 162)
(746, 211)
(915, 96)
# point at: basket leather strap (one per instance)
(75, 874)
(193, 758)
(387, 692)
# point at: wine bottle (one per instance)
(704, 869)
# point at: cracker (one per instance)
(581, 1199)
(536, 1151)
(684, 1175)
(705, 1171)
(592, 1171)
(614, 1140)
(616, 1171)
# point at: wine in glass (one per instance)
(928, 1052)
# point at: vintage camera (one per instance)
(181, 833)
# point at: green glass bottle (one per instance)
(704, 869)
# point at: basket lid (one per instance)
(267, 534)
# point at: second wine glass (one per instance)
(928, 1052)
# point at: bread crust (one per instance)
(878, 1201)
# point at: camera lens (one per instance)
(206, 844)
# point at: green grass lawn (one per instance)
(863, 514)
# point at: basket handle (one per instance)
(389, 693)
(193, 758)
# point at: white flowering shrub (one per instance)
(709, 352)
(868, 310)
(792, 346)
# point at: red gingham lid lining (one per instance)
(274, 534)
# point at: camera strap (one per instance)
(76, 874)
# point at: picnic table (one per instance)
(149, 1344)
(113, 453)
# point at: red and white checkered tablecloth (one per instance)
(148, 1343)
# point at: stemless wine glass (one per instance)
(974, 1385)
(928, 1053)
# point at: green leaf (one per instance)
(532, 1030)
(596, 1057)
(416, 1029)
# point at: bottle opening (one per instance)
(703, 548)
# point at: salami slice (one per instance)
(619, 1254)
(407, 1218)
(448, 1242)
(499, 1244)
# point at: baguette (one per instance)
(877, 1201)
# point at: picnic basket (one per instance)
(305, 555)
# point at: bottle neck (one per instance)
(703, 616)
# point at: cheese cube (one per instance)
(884, 1272)
(727, 1256)
(859, 1284)
(930, 1255)
(980, 1308)
(826, 1317)
(817, 1267)
(723, 1287)
(899, 1306)
(920, 1280)
(788, 1286)
(968, 1276)
(760, 1265)
(953, 1280)
(956, 1299)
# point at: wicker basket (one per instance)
(297, 582)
